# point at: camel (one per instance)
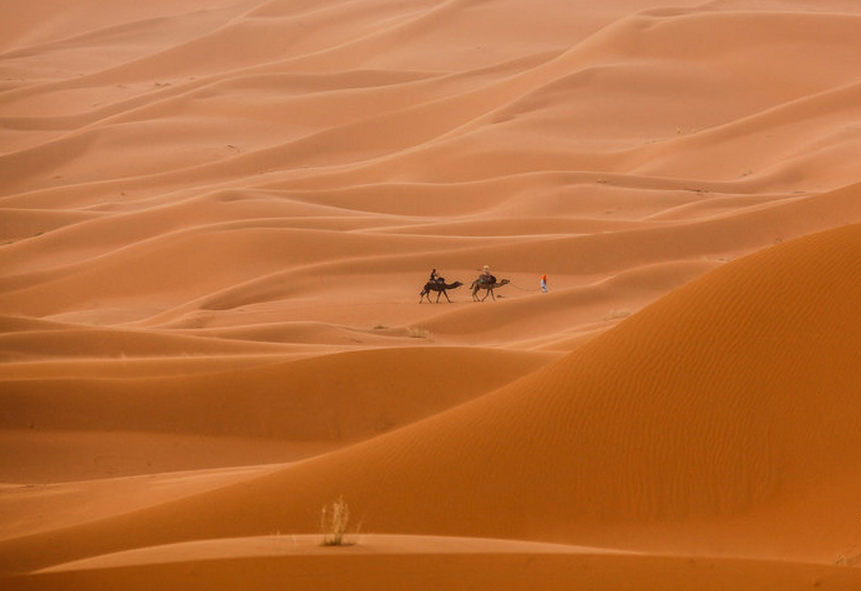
(478, 284)
(439, 287)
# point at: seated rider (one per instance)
(436, 278)
(486, 278)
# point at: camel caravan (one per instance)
(485, 282)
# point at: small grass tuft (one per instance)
(417, 332)
(333, 523)
(616, 314)
(845, 560)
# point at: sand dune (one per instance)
(720, 420)
(216, 217)
(334, 397)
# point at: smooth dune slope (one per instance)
(423, 563)
(337, 397)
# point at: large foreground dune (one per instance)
(215, 220)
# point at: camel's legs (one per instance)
(446, 296)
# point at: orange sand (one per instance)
(215, 220)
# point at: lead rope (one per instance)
(523, 288)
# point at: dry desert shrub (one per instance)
(844, 560)
(617, 314)
(333, 523)
(417, 332)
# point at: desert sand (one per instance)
(216, 217)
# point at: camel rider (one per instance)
(486, 278)
(435, 278)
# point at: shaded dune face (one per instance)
(338, 398)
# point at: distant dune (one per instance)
(216, 217)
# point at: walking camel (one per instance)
(489, 287)
(439, 287)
